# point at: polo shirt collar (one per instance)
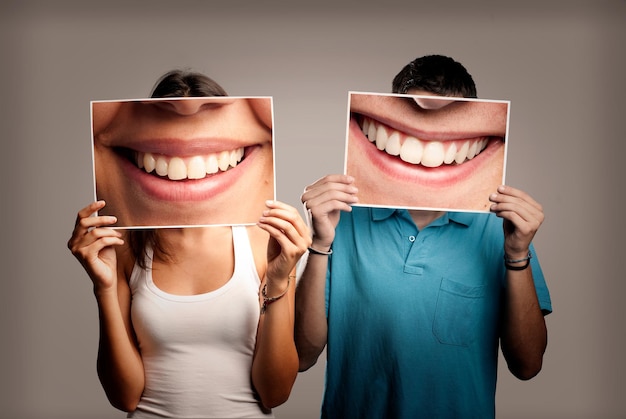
(464, 218)
(379, 214)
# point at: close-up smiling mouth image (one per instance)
(153, 158)
(425, 151)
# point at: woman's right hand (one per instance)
(324, 200)
(93, 245)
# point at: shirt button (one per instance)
(411, 239)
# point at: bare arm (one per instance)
(119, 365)
(324, 200)
(523, 333)
(275, 363)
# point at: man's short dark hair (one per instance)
(435, 74)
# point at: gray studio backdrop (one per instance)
(561, 64)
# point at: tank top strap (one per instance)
(138, 273)
(245, 265)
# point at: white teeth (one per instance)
(223, 161)
(433, 154)
(235, 156)
(177, 169)
(211, 164)
(393, 145)
(412, 150)
(450, 154)
(415, 151)
(462, 153)
(196, 167)
(380, 139)
(161, 166)
(472, 151)
(149, 163)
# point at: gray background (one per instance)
(560, 63)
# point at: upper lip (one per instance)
(182, 136)
(179, 147)
(441, 124)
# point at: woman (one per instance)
(194, 322)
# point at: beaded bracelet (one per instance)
(269, 300)
(320, 252)
(507, 262)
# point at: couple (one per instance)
(411, 305)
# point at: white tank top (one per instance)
(197, 349)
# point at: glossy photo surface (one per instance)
(426, 152)
(183, 162)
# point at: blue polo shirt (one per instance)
(413, 315)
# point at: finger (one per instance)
(338, 198)
(85, 240)
(506, 192)
(86, 225)
(286, 212)
(89, 210)
(283, 246)
(322, 187)
(326, 208)
(90, 252)
(335, 178)
(527, 212)
(342, 192)
(524, 225)
(285, 222)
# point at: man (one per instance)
(413, 305)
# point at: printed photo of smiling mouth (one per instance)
(175, 163)
(426, 152)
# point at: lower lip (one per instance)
(436, 177)
(190, 190)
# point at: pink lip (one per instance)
(190, 190)
(178, 147)
(437, 177)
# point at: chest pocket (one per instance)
(457, 312)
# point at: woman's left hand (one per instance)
(289, 239)
(522, 217)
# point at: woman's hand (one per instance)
(289, 239)
(92, 244)
(522, 217)
(324, 200)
